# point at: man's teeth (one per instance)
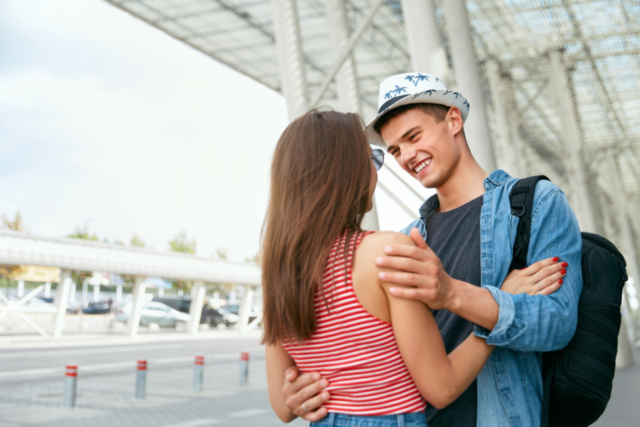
(422, 165)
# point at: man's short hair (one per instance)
(437, 111)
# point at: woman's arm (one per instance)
(440, 378)
(542, 278)
(278, 360)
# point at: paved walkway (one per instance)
(624, 407)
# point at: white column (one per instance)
(195, 309)
(20, 288)
(469, 83)
(96, 293)
(160, 292)
(500, 112)
(232, 295)
(47, 290)
(62, 294)
(339, 34)
(139, 288)
(245, 308)
(624, 358)
(72, 292)
(290, 57)
(85, 291)
(618, 193)
(425, 42)
(571, 135)
(118, 293)
(370, 220)
(520, 163)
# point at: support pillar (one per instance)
(370, 220)
(571, 136)
(62, 294)
(290, 57)
(624, 358)
(339, 35)
(500, 112)
(72, 293)
(245, 307)
(20, 288)
(469, 84)
(520, 162)
(139, 288)
(195, 309)
(119, 294)
(623, 220)
(96, 293)
(47, 290)
(425, 42)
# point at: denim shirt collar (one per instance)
(495, 179)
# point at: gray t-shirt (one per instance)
(455, 237)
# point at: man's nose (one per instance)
(406, 155)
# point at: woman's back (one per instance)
(355, 351)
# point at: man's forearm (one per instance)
(474, 303)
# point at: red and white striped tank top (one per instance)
(355, 351)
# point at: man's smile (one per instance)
(421, 166)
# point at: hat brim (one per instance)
(443, 97)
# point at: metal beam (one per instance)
(346, 79)
(346, 52)
(425, 41)
(467, 74)
(398, 202)
(290, 57)
(571, 131)
(500, 113)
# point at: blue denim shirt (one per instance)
(510, 384)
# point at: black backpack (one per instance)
(578, 379)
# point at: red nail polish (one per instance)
(563, 272)
(560, 281)
(556, 259)
(564, 264)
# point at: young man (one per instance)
(469, 233)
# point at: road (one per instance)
(31, 385)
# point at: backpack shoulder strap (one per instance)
(521, 199)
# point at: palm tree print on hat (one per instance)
(466, 104)
(388, 94)
(456, 94)
(420, 78)
(398, 90)
(447, 92)
(410, 78)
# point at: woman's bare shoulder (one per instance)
(375, 243)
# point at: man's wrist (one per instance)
(453, 300)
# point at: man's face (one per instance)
(424, 148)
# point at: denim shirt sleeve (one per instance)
(539, 322)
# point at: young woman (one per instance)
(325, 309)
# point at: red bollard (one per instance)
(70, 387)
(141, 380)
(198, 373)
(244, 368)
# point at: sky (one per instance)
(109, 123)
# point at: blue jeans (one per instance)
(415, 419)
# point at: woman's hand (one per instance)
(542, 278)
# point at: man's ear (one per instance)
(455, 120)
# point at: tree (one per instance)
(180, 243)
(84, 234)
(137, 242)
(256, 259)
(17, 224)
(221, 253)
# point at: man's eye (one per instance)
(412, 137)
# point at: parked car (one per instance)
(210, 316)
(97, 308)
(155, 312)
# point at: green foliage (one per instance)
(84, 234)
(136, 241)
(222, 253)
(180, 243)
(256, 259)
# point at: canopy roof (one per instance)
(600, 39)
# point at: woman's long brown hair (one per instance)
(319, 187)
